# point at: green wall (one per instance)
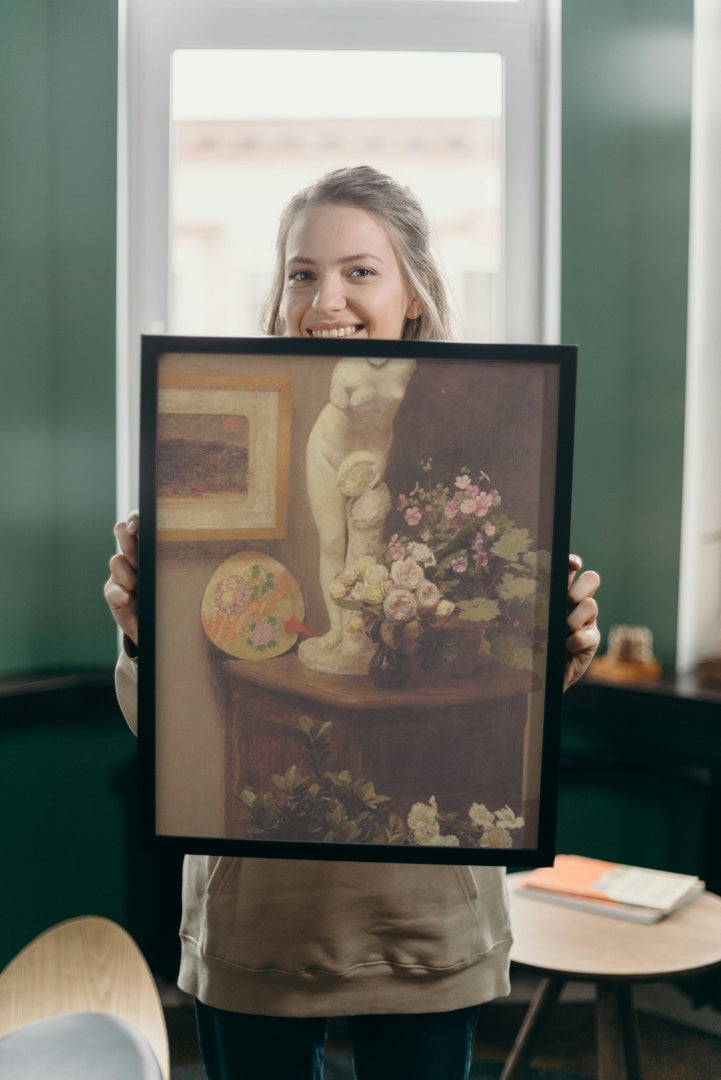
(67, 761)
(626, 145)
(58, 72)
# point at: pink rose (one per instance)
(463, 482)
(468, 506)
(450, 509)
(459, 565)
(407, 574)
(399, 605)
(427, 596)
(413, 515)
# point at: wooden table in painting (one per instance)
(463, 740)
(563, 944)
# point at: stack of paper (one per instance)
(607, 888)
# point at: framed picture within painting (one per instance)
(352, 597)
(210, 426)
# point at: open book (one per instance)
(608, 888)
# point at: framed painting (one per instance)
(352, 597)
(210, 427)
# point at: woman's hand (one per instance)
(121, 587)
(583, 636)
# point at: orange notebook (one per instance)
(631, 892)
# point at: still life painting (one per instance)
(352, 597)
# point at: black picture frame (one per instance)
(404, 708)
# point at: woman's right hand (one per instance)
(121, 587)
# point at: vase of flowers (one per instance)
(458, 579)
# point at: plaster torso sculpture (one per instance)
(346, 459)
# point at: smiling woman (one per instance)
(353, 259)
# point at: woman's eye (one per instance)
(300, 276)
(362, 272)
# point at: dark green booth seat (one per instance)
(68, 804)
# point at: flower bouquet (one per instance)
(456, 563)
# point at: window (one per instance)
(227, 107)
(236, 160)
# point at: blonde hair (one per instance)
(403, 217)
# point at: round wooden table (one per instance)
(563, 944)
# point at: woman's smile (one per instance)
(335, 331)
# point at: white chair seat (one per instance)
(78, 1046)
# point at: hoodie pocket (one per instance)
(293, 916)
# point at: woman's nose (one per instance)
(329, 296)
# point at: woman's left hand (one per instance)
(582, 634)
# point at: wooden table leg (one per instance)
(545, 997)
(617, 1033)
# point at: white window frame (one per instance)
(526, 34)
(699, 597)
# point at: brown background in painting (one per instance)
(487, 416)
(481, 415)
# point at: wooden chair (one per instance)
(87, 967)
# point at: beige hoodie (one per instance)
(284, 937)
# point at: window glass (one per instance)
(238, 155)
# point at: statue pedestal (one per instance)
(462, 740)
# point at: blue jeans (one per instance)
(415, 1046)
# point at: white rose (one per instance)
(423, 816)
(422, 554)
(445, 609)
(375, 573)
(444, 841)
(481, 815)
(507, 819)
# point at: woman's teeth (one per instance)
(336, 332)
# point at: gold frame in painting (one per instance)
(261, 404)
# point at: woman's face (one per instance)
(342, 277)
